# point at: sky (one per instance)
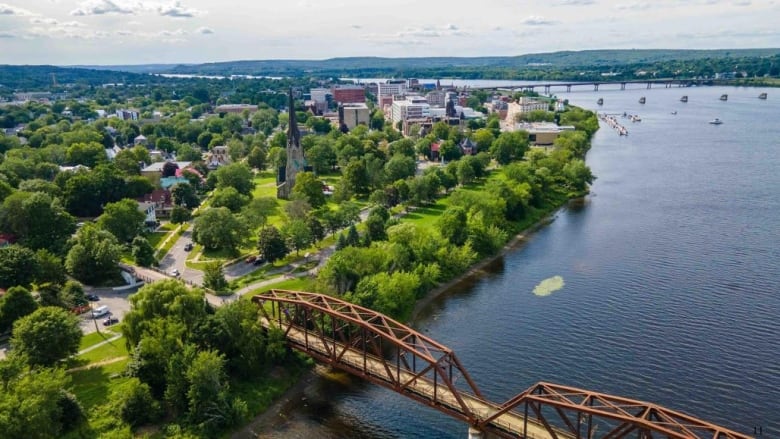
(111, 32)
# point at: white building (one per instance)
(436, 98)
(319, 95)
(391, 89)
(413, 107)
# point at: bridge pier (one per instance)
(475, 434)
(595, 87)
(568, 88)
(546, 89)
(649, 85)
(622, 85)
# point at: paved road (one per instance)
(116, 302)
(177, 258)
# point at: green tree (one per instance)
(400, 167)
(184, 194)
(298, 234)
(50, 268)
(509, 146)
(229, 197)
(236, 175)
(219, 228)
(391, 294)
(32, 402)
(72, 294)
(143, 253)
(123, 219)
(256, 213)
(38, 220)
(180, 215)
(356, 177)
(257, 157)
(87, 154)
(17, 266)
(272, 244)
(46, 336)
(16, 303)
(214, 277)
(307, 185)
(136, 405)
(483, 137)
(453, 225)
(465, 171)
(94, 255)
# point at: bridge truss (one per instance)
(383, 351)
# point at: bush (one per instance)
(138, 407)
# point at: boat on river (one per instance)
(716, 121)
(762, 96)
(684, 98)
(724, 97)
(600, 101)
(642, 100)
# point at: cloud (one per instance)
(536, 20)
(205, 31)
(574, 2)
(176, 10)
(637, 6)
(7, 35)
(6, 9)
(56, 23)
(102, 7)
(357, 26)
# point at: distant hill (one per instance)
(36, 77)
(564, 59)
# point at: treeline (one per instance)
(394, 263)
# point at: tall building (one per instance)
(391, 88)
(348, 94)
(352, 115)
(285, 179)
(413, 107)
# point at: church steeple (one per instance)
(285, 180)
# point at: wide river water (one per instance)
(672, 281)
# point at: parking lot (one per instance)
(118, 306)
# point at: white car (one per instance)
(175, 273)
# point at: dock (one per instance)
(612, 121)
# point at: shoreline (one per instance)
(275, 413)
(512, 244)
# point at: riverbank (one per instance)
(546, 218)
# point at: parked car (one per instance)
(100, 312)
(259, 260)
(188, 247)
(175, 272)
(110, 320)
(250, 259)
(92, 297)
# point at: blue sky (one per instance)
(67, 32)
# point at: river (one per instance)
(672, 281)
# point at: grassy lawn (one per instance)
(114, 349)
(96, 337)
(297, 284)
(427, 216)
(93, 386)
(155, 238)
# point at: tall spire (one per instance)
(293, 133)
(295, 161)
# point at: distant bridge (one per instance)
(649, 83)
(383, 351)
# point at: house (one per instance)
(218, 156)
(467, 147)
(140, 140)
(154, 171)
(149, 209)
(158, 203)
(542, 133)
(435, 150)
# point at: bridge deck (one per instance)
(510, 422)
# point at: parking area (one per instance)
(117, 303)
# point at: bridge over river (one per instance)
(383, 351)
(594, 85)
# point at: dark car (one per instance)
(259, 260)
(111, 320)
(250, 259)
(92, 297)
(188, 247)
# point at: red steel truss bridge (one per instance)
(383, 351)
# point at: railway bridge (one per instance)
(383, 351)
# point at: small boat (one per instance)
(600, 101)
(642, 100)
(684, 98)
(636, 118)
(762, 96)
(716, 121)
(724, 97)
(674, 112)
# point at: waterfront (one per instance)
(670, 275)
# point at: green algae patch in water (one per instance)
(549, 286)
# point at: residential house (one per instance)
(467, 147)
(158, 203)
(218, 156)
(154, 172)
